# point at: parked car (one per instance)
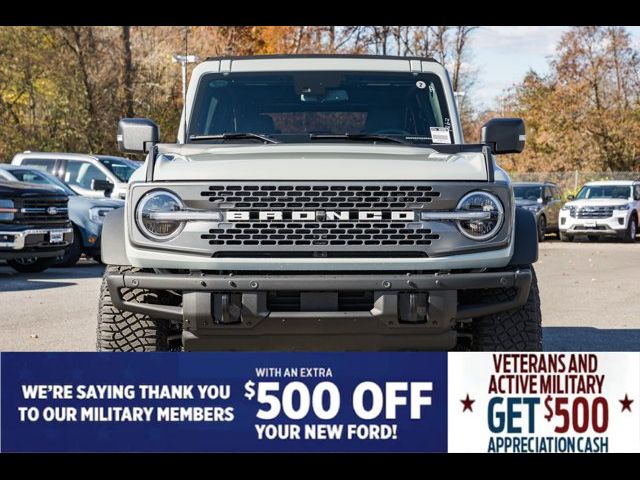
(543, 200)
(88, 175)
(34, 226)
(605, 208)
(85, 213)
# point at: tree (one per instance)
(64, 88)
(584, 113)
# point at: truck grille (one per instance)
(321, 219)
(591, 212)
(337, 234)
(283, 198)
(42, 210)
(266, 197)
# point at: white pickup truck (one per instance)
(605, 208)
(320, 203)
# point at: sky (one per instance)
(502, 56)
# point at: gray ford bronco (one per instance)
(319, 203)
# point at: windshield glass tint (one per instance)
(605, 191)
(120, 168)
(303, 103)
(33, 176)
(527, 193)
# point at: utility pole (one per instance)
(183, 60)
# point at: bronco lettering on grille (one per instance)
(321, 215)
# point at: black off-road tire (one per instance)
(36, 265)
(513, 330)
(542, 228)
(73, 252)
(631, 231)
(565, 238)
(120, 331)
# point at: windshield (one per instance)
(293, 105)
(38, 177)
(120, 167)
(623, 192)
(527, 192)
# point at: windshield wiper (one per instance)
(356, 137)
(233, 136)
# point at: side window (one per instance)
(636, 196)
(547, 192)
(79, 174)
(44, 164)
(556, 193)
(30, 177)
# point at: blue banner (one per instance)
(224, 402)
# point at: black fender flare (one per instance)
(113, 249)
(525, 248)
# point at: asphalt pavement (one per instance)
(590, 295)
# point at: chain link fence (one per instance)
(570, 182)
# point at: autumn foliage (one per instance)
(64, 88)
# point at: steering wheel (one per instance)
(391, 131)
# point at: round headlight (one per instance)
(481, 229)
(158, 202)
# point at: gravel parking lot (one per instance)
(590, 301)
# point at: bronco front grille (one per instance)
(317, 198)
(320, 219)
(318, 234)
(265, 197)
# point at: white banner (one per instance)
(544, 402)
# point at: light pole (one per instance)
(183, 60)
(459, 96)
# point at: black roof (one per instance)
(321, 55)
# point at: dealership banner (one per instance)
(320, 402)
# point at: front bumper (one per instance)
(229, 312)
(613, 225)
(34, 242)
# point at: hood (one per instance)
(21, 189)
(335, 161)
(597, 202)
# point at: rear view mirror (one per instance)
(137, 135)
(101, 185)
(504, 135)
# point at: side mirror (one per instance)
(571, 197)
(101, 185)
(137, 135)
(548, 198)
(504, 135)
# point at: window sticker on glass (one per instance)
(440, 135)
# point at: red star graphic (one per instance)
(467, 402)
(626, 403)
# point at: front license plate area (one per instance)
(56, 237)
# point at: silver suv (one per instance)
(320, 203)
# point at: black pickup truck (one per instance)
(34, 226)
